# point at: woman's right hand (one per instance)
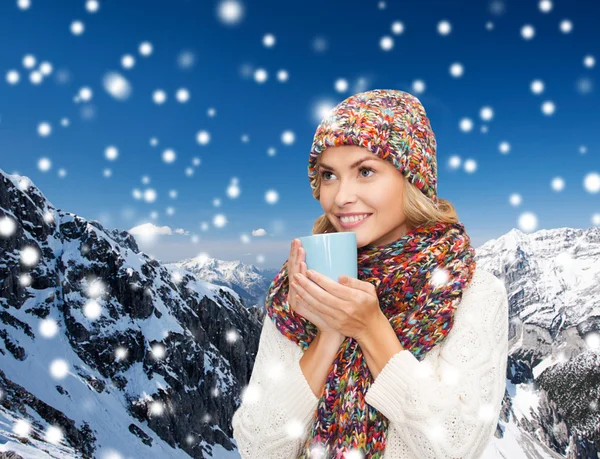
(297, 264)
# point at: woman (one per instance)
(407, 361)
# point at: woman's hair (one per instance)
(418, 209)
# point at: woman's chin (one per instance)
(360, 243)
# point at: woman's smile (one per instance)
(353, 224)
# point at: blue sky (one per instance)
(317, 43)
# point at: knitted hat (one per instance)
(390, 123)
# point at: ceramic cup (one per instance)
(332, 254)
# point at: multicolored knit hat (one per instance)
(390, 123)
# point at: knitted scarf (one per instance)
(420, 278)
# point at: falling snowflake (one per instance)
(77, 28)
(386, 43)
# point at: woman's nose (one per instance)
(345, 194)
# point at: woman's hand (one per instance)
(351, 306)
(297, 264)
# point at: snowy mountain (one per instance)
(553, 381)
(250, 282)
(104, 352)
(124, 357)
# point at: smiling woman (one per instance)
(402, 205)
(371, 375)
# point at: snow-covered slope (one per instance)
(103, 346)
(553, 387)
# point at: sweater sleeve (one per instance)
(278, 405)
(448, 404)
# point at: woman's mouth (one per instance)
(353, 224)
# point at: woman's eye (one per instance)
(367, 169)
(361, 169)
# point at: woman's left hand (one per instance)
(350, 306)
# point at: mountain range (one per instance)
(105, 352)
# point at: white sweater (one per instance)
(445, 406)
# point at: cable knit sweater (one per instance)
(445, 406)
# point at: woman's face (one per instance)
(373, 187)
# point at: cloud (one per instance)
(149, 233)
(259, 232)
(150, 229)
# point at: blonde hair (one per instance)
(418, 208)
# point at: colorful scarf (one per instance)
(419, 307)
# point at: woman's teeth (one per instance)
(354, 218)
(352, 222)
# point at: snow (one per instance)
(517, 444)
(138, 383)
(106, 412)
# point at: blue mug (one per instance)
(332, 254)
